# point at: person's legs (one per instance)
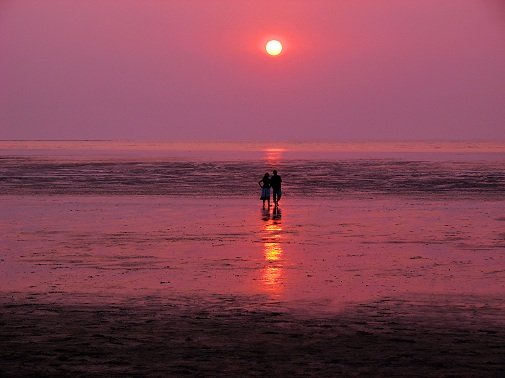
(277, 196)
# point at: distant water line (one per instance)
(246, 150)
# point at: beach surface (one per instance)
(157, 259)
(154, 285)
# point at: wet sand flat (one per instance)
(336, 251)
(241, 336)
(154, 285)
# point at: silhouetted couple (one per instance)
(268, 182)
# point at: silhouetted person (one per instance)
(264, 183)
(275, 183)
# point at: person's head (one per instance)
(266, 175)
(275, 172)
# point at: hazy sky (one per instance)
(196, 69)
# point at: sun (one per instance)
(273, 47)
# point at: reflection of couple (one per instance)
(268, 182)
(275, 216)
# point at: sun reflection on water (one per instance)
(272, 275)
(273, 156)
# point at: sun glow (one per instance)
(273, 47)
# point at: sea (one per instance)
(232, 169)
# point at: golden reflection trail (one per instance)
(272, 248)
(274, 155)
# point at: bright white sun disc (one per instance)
(273, 47)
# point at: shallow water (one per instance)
(228, 170)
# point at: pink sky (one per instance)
(195, 69)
